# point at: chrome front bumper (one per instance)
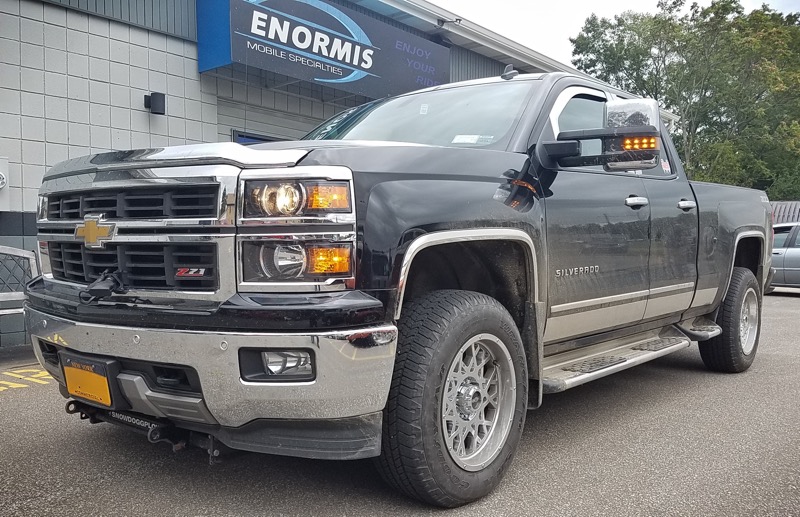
(353, 369)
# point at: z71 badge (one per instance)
(185, 271)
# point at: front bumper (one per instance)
(353, 370)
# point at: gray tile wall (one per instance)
(72, 84)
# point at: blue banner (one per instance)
(318, 42)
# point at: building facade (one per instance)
(74, 75)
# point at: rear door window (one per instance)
(781, 234)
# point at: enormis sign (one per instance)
(318, 42)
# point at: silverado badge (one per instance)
(583, 270)
(94, 232)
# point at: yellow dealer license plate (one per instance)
(86, 379)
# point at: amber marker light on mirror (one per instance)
(639, 142)
(328, 260)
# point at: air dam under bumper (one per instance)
(353, 368)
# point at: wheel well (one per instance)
(494, 268)
(748, 254)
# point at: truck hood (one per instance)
(358, 155)
(225, 153)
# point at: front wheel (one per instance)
(458, 398)
(739, 316)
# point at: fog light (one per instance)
(287, 362)
(282, 365)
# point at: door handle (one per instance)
(685, 204)
(636, 201)
(777, 253)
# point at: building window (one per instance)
(240, 137)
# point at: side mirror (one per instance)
(630, 140)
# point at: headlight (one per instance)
(295, 198)
(305, 262)
(283, 199)
(283, 241)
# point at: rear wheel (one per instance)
(458, 398)
(739, 316)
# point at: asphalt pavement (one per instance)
(665, 438)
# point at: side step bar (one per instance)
(700, 329)
(576, 367)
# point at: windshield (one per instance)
(482, 115)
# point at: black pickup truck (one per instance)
(405, 283)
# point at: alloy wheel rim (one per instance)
(748, 321)
(478, 400)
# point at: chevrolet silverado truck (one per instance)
(405, 283)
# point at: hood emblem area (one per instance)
(94, 232)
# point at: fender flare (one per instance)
(764, 251)
(450, 236)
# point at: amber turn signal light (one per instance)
(328, 260)
(637, 143)
(328, 197)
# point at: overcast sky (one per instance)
(546, 26)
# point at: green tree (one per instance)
(732, 77)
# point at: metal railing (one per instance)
(17, 268)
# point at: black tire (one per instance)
(729, 352)
(433, 331)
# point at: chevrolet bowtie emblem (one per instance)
(94, 232)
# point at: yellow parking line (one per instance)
(35, 373)
(10, 385)
(22, 376)
(31, 379)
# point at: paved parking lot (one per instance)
(665, 438)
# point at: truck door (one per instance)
(673, 235)
(597, 232)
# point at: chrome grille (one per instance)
(174, 201)
(181, 267)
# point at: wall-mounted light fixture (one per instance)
(156, 102)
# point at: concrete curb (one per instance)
(16, 356)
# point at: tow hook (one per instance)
(85, 412)
(162, 433)
(211, 445)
